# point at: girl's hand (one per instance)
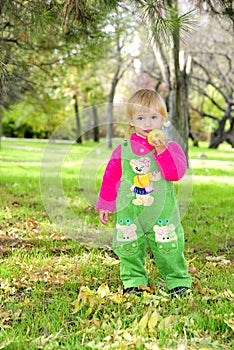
(160, 143)
(103, 216)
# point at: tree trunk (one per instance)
(230, 137)
(193, 138)
(116, 78)
(0, 127)
(78, 125)
(220, 135)
(109, 124)
(110, 109)
(176, 80)
(178, 105)
(88, 131)
(230, 133)
(164, 69)
(96, 136)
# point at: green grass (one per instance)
(54, 291)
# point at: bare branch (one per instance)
(150, 74)
(206, 95)
(203, 114)
(126, 68)
(210, 82)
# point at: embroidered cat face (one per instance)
(127, 244)
(140, 166)
(166, 239)
(165, 233)
(126, 233)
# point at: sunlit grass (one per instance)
(42, 271)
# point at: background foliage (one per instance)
(54, 53)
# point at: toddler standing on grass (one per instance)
(138, 186)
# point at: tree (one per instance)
(211, 76)
(81, 23)
(40, 38)
(163, 18)
(166, 27)
(219, 8)
(122, 33)
(21, 23)
(216, 89)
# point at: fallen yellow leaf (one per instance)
(103, 291)
(230, 324)
(228, 294)
(144, 321)
(127, 336)
(153, 320)
(166, 322)
(117, 298)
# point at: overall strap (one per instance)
(127, 152)
(126, 149)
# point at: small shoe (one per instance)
(178, 292)
(138, 290)
(147, 289)
(132, 290)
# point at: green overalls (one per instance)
(147, 214)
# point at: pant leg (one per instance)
(169, 257)
(132, 261)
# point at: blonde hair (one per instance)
(146, 99)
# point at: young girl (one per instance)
(137, 185)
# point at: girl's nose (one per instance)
(147, 122)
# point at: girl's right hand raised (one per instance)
(103, 216)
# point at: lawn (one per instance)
(60, 286)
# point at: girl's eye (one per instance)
(154, 117)
(140, 118)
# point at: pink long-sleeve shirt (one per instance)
(171, 162)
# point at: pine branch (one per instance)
(164, 22)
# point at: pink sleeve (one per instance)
(172, 162)
(110, 183)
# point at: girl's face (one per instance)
(144, 122)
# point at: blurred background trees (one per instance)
(212, 83)
(58, 58)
